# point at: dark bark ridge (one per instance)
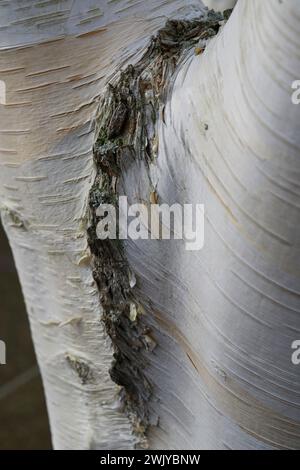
(126, 130)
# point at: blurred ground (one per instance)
(23, 416)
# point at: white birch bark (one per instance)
(224, 317)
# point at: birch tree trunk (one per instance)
(217, 324)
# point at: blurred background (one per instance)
(23, 415)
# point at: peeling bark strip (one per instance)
(126, 127)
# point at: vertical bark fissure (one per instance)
(126, 131)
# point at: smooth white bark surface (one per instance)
(220, 5)
(226, 316)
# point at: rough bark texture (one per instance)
(127, 133)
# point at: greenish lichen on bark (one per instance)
(82, 369)
(126, 131)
